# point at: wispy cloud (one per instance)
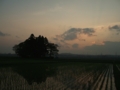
(4, 34)
(55, 39)
(17, 37)
(75, 45)
(50, 10)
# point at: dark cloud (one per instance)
(108, 48)
(3, 34)
(88, 31)
(72, 33)
(63, 45)
(115, 27)
(81, 39)
(55, 39)
(17, 37)
(75, 45)
(62, 41)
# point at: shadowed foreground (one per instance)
(58, 75)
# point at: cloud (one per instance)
(61, 43)
(55, 39)
(115, 27)
(3, 34)
(88, 31)
(17, 37)
(108, 48)
(117, 33)
(75, 45)
(72, 33)
(48, 11)
(81, 39)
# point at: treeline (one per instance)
(36, 47)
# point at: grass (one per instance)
(35, 69)
(49, 74)
(53, 76)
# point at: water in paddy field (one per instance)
(87, 76)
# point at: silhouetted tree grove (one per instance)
(36, 47)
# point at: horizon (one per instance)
(72, 54)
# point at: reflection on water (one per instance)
(82, 77)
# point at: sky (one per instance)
(77, 26)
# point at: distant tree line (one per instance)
(36, 47)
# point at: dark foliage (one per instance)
(36, 47)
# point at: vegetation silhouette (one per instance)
(36, 47)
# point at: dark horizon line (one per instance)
(72, 54)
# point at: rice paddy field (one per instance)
(18, 74)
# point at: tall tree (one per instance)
(52, 49)
(36, 47)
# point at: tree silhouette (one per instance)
(52, 49)
(36, 47)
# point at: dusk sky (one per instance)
(77, 26)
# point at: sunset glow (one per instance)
(77, 26)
